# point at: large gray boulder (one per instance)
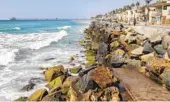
(148, 48)
(117, 60)
(159, 49)
(102, 52)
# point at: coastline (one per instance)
(107, 47)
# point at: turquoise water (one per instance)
(27, 45)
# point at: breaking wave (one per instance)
(10, 43)
(16, 28)
(64, 27)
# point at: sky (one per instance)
(58, 8)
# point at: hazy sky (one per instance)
(57, 8)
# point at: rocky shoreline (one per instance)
(107, 46)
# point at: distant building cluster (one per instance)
(150, 13)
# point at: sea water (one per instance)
(25, 46)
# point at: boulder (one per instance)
(22, 99)
(103, 48)
(72, 58)
(131, 38)
(28, 87)
(117, 33)
(85, 83)
(38, 95)
(73, 94)
(75, 70)
(85, 71)
(155, 39)
(67, 84)
(157, 65)
(166, 77)
(117, 60)
(166, 41)
(100, 77)
(132, 63)
(50, 98)
(168, 52)
(130, 29)
(159, 49)
(57, 82)
(108, 94)
(90, 57)
(147, 57)
(114, 44)
(56, 96)
(137, 52)
(54, 72)
(148, 48)
(166, 57)
(102, 52)
(120, 52)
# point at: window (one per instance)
(165, 8)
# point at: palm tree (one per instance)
(116, 10)
(132, 5)
(147, 4)
(137, 4)
(129, 7)
(113, 12)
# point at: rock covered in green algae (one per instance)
(67, 83)
(75, 70)
(38, 95)
(53, 72)
(90, 57)
(82, 42)
(22, 99)
(57, 82)
(72, 58)
(114, 44)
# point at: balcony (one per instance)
(155, 13)
(139, 14)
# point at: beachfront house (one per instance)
(159, 12)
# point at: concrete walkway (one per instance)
(140, 87)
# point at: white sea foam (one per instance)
(10, 43)
(17, 28)
(31, 41)
(7, 56)
(64, 27)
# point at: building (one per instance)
(159, 12)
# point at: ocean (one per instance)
(25, 46)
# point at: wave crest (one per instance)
(16, 28)
(64, 27)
